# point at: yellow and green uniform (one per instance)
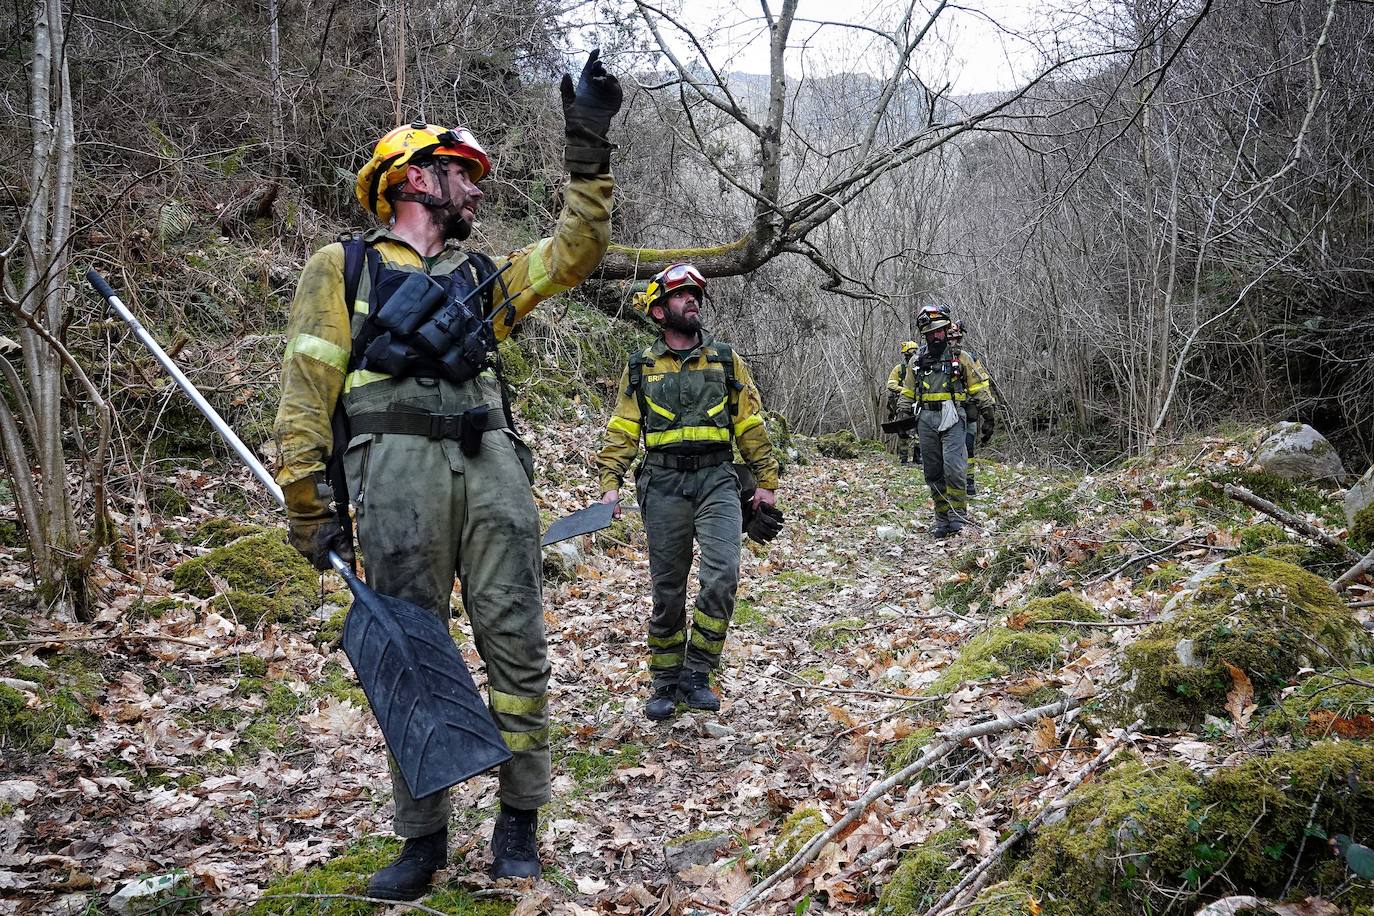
(974, 413)
(425, 510)
(932, 387)
(688, 414)
(906, 440)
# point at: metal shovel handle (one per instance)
(224, 429)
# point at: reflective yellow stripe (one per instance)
(715, 626)
(513, 705)
(747, 424)
(318, 349)
(363, 377)
(671, 641)
(941, 396)
(908, 393)
(719, 407)
(360, 307)
(687, 434)
(665, 660)
(526, 741)
(714, 646)
(974, 389)
(661, 411)
(539, 272)
(628, 427)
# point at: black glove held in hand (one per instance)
(315, 538)
(312, 527)
(765, 524)
(587, 113)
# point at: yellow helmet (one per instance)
(670, 278)
(909, 347)
(413, 144)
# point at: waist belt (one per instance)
(932, 405)
(466, 427)
(686, 462)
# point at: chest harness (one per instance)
(676, 431)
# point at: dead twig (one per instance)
(1365, 564)
(1021, 832)
(856, 691)
(952, 740)
(126, 636)
(1301, 526)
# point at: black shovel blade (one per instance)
(583, 521)
(900, 425)
(433, 719)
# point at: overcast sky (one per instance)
(966, 50)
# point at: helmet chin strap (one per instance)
(444, 202)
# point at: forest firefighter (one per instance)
(937, 386)
(906, 439)
(979, 423)
(689, 396)
(397, 329)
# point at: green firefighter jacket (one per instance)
(319, 339)
(690, 409)
(953, 377)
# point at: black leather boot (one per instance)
(663, 703)
(695, 687)
(409, 877)
(515, 844)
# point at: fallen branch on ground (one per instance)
(1305, 528)
(1025, 830)
(1350, 575)
(812, 849)
(39, 641)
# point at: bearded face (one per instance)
(682, 311)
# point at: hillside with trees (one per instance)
(1141, 685)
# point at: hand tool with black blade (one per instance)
(434, 721)
(583, 521)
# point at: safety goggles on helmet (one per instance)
(928, 322)
(670, 279)
(417, 143)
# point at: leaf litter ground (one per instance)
(236, 755)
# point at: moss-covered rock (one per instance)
(1362, 530)
(794, 833)
(924, 874)
(217, 532)
(1006, 898)
(1267, 618)
(1063, 606)
(1145, 837)
(1329, 705)
(265, 579)
(1254, 538)
(994, 653)
(842, 444)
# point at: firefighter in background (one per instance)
(979, 421)
(906, 439)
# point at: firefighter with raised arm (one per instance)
(397, 330)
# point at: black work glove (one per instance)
(986, 424)
(587, 113)
(925, 360)
(312, 527)
(765, 524)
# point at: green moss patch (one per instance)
(265, 579)
(1006, 898)
(794, 833)
(748, 616)
(1063, 606)
(348, 875)
(1268, 619)
(1284, 493)
(1144, 838)
(994, 653)
(923, 875)
(843, 444)
(836, 633)
(1362, 530)
(217, 532)
(1329, 705)
(65, 691)
(1055, 505)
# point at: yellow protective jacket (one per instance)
(955, 376)
(894, 378)
(319, 337)
(690, 408)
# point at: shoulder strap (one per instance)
(725, 355)
(355, 253)
(636, 369)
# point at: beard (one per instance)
(450, 222)
(937, 347)
(681, 323)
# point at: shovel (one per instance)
(433, 719)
